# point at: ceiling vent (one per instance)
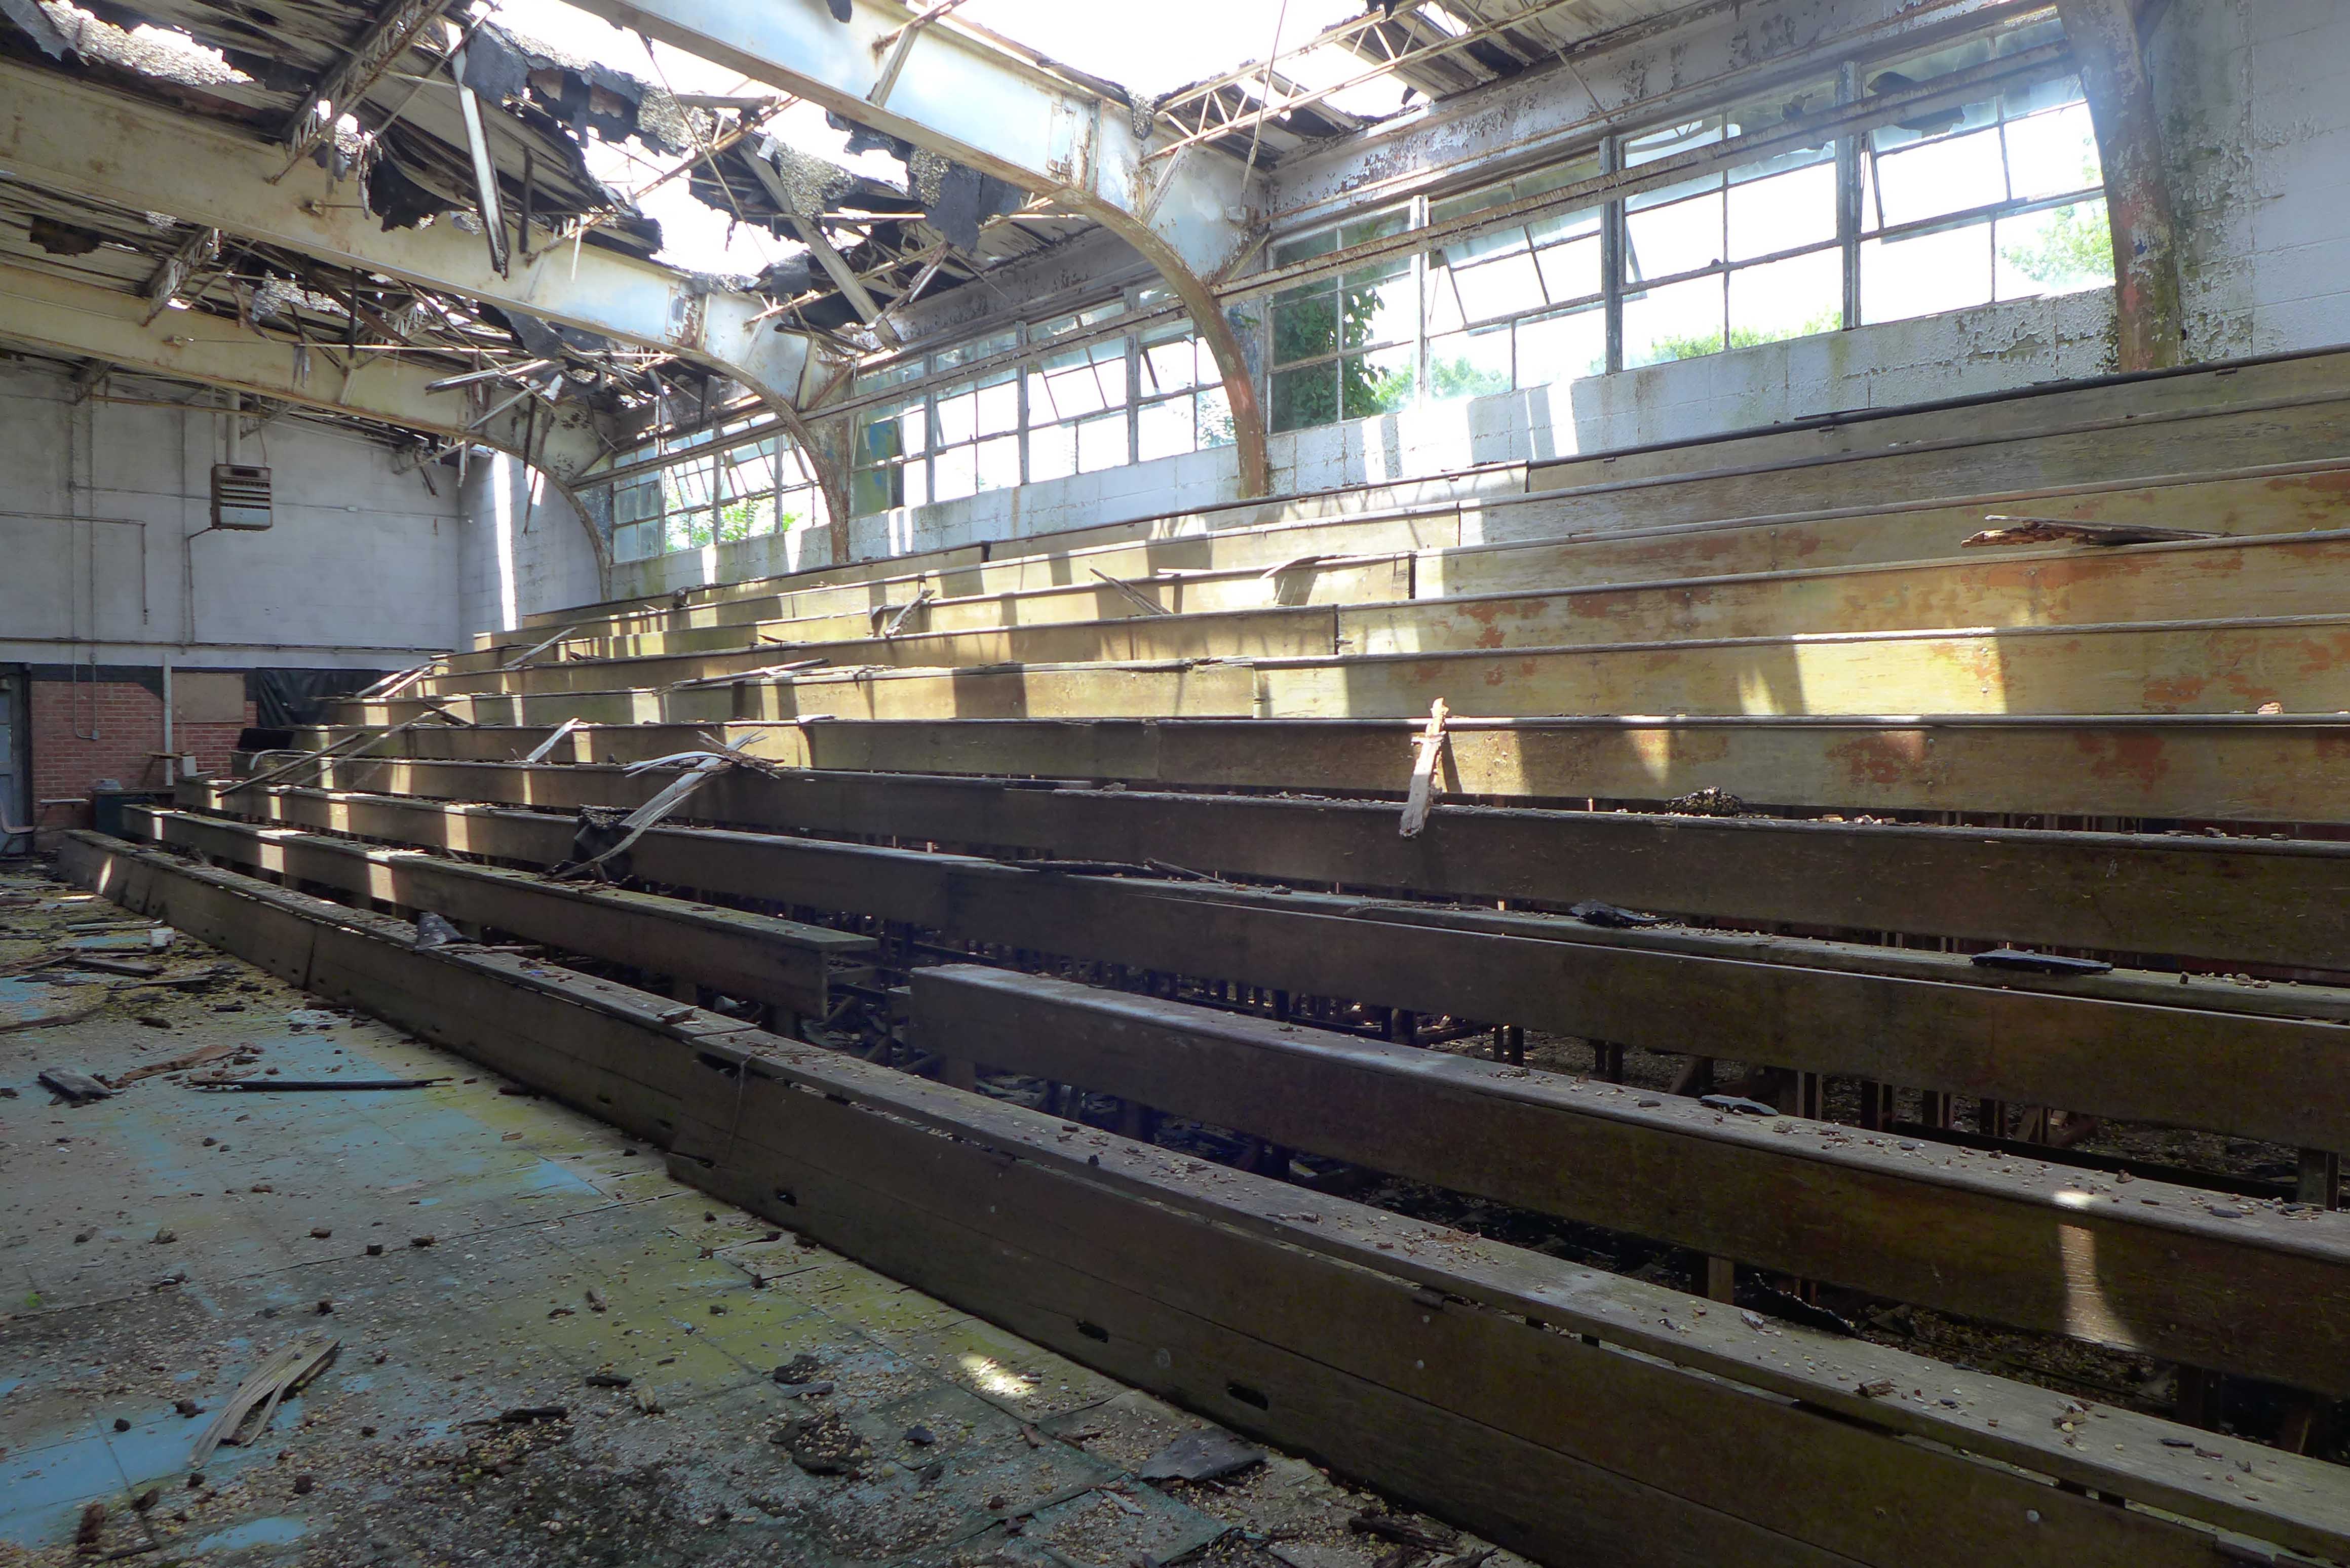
(240, 496)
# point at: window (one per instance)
(715, 489)
(2001, 197)
(1937, 208)
(1179, 395)
(1737, 256)
(1077, 410)
(1521, 305)
(1345, 346)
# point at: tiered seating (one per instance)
(2133, 751)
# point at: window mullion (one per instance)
(1611, 256)
(1849, 197)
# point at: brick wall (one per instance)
(125, 708)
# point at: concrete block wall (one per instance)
(522, 549)
(106, 570)
(2256, 131)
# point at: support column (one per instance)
(2104, 40)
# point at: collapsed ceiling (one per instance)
(860, 244)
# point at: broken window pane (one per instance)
(1169, 359)
(1213, 417)
(2057, 249)
(1163, 429)
(1377, 383)
(1679, 321)
(1681, 238)
(2053, 153)
(1781, 211)
(1101, 443)
(1791, 299)
(794, 509)
(1080, 381)
(1051, 452)
(872, 490)
(1562, 347)
(1955, 174)
(1304, 323)
(1948, 269)
(999, 463)
(954, 473)
(1469, 364)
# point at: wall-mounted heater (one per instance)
(240, 496)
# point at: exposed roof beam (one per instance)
(395, 28)
(57, 315)
(963, 98)
(85, 142)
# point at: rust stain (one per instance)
(1492, 636)
(2140, 757)
(2170, 693)
(1891, 758)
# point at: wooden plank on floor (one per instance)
(782, 962)
(2120, 1045)
(2136, 1265)
(2239, 900)
(1177, 1262)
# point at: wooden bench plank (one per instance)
(2234, 900)
(858, 1162)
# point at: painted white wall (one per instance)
(359, 570)
(2256, 130)
(523, 549)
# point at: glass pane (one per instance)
(917, 483)
(2056, 251)
(748, 470)
(1305, 247)
(1377, 306)
(956, 474)
(1666, 140)
(1101, 443)
(999, 463)
(873, 489)
(686, 485)
(1080, 381)
(1562, 347)
(2054, 153)
(795, 509)
(1952, 175)
(1679, 321)
(1304, 323)
(1377, 226)
(1468, 364)
(1570, 271)
(1376, 383)
(1661, 242)
(977, 348)
(746, 519)
(958, 411)
(1051, 452)
(1509, 285)
(686, 530)
(1784, 213)
(1163, 429)
(1170, 360)
(1791, 298)
(1306, 397)
(792, 465)
(1925, 275)
(1212, 421)
(999, 403)
(888, 376)
(895, 430)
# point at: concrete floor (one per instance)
(155, 1245)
